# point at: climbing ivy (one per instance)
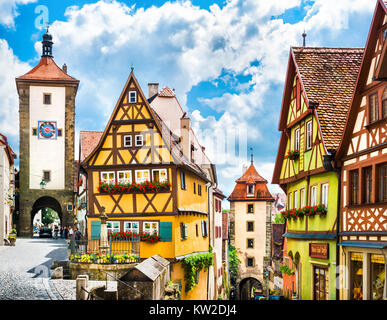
(234, 261)
(194, 264)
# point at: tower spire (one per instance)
(252, 156)
(47, 44)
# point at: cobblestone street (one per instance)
(25, 270)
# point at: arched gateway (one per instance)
(46, 156)
(247, 287)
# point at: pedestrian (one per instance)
(56, 230)
(66, 232)
(61, 232)
(71, 232)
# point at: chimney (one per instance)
(153, 88)
(303, 40)
(185, 124)
(64, 68)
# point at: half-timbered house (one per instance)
(363, 159)
(141, 176)
(318, 88)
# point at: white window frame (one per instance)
(130, 141)
(153, 223)
(114, 228)
(324, 194)
(302, 198)
(247, 191)
(141, 180)
(131, 228)
(295, 199)
(137, 142)
(160, 170)
(297, 139)
(108, 179)
(129, 97)
(313, 195)
(309, 135)
(124, 180)
(290, 200)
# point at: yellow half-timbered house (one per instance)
(138, 149)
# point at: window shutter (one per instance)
(165, 231)
(185, 231)
(95, 230)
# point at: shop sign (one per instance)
(319, 250)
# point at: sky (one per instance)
(226, 61)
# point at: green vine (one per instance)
(286, 270)
(194, 264)
(234, 261)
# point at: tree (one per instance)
(48, 216)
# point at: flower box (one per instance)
(145, 187)
(308, 211)
(292, 154)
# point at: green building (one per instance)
(318, 90)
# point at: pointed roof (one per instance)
(166, 92)
(251, 176)
(47, 70)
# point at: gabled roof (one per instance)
(47, 70)
(329, 76)
(167, 92)
(88, 141)
(377, 21)
(251, 176)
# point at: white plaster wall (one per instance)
(4, 191)
(46, 154)
(218, 244)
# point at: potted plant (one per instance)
(12, 237)
(292, 154)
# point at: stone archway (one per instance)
(245, 287)
(46, 202)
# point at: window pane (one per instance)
(382, 183)
(367, 184)
(354, 175)
(356, 276)
(377, 276)
(373, 112)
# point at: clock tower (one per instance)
(46, 146)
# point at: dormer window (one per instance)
(132, 96)
(250, 190)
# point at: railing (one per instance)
(118, 251)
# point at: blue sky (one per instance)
(226, 60)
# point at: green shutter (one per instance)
(165, 231)
(95, 230)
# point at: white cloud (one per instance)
(8, 9)
(11, 68)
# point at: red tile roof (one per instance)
(251, 176)
(89, 140)
(166, 92)
(329, 76)
(47, 70)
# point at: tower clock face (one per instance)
(47, 130)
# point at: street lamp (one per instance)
(43, 184)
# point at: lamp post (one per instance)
(104, 244)
(43, 184)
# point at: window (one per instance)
(127, 141)
(108, 176)
(250, 226)
(46, 175)
(139, 140)
(356, 271)
(59, 132)
(194, 187)
(124, 177)
(373, 108)
(320, 283)
(250, 243)
(159, 175)
(197, 230)
(132, 96)
(204, 228)
(132, 226)
(354, 187)
(142, 176)
(309, 135)
(367, 183)
(382, 182)
(297, 139)
(250, 208)
(290, 201)
(250, 262)
(324, 194)
(250, 190)
(46, 98)
(150, 227)
(182, 180)
(34, 131)
(377, 273)
(302, 198)
(183, 231)
(313, 196)
(199, 190)
(384, 103)
(295, 200)
(113, 226)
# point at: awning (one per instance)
(364, 244)
(310, 235)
